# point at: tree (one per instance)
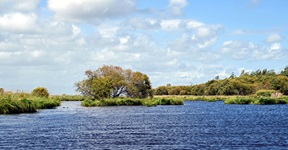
(285, 71)
(40, 92)
(280, 83)
(1, 90)
(161, 90)
(113, 81)
(139, 86)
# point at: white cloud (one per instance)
(248, 50)
(87, 10)
(177, 6)
(18, 5)
(275, 47)
(274, 38)
(192, 24)
(144, 23)
(237, 49)
(170, 24)
(18, 23)
(223, 74)
(206, 36)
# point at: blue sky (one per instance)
(51, 43)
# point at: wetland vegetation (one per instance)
(14, 103)
(114, 86)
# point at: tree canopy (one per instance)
(113, 81)
(245, 84)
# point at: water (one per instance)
(195, 125)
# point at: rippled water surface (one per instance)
(195, 125)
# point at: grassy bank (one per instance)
(195, 98)
(68, 97)
(253, 99)
(132, 102)
(24, 103)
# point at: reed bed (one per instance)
(24, 103)
(131, 102)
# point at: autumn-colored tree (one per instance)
(113, 81)
(161, 90)
(40, 92)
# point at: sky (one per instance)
(51, 43)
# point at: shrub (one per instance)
(150, 103)
(265, 93)
(269, 101)
(40, 92)
(1, 90)
(238, 100)
(176, 102)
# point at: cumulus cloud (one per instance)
(274, 38)
(249, 50)
(170, 24)
(144, 23)
(18, 5)
(177, 6)
(206, 36)
(87, 10)
(18, 22)
(238, 49)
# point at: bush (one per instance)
(176, 102)
(1, 90)
(265, 93)
(239, 100)
(270, 101)
(40, 92)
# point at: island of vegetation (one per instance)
(114, 86)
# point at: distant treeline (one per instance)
(246, 84)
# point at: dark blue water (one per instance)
(195, 125)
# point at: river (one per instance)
(195, 125)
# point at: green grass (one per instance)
(239, 100)
(257, 100)
(24, 103)
(131, 102)
(252, 99)
(68, 97)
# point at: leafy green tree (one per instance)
(139, 86)
(280, 83)
(40, 92)
(198, 89)
(174, 90)
(161, 90)
(113, 81)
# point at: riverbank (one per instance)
(24, 103)
(231, 99)
(132, 102)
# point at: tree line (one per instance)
(245, 84)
